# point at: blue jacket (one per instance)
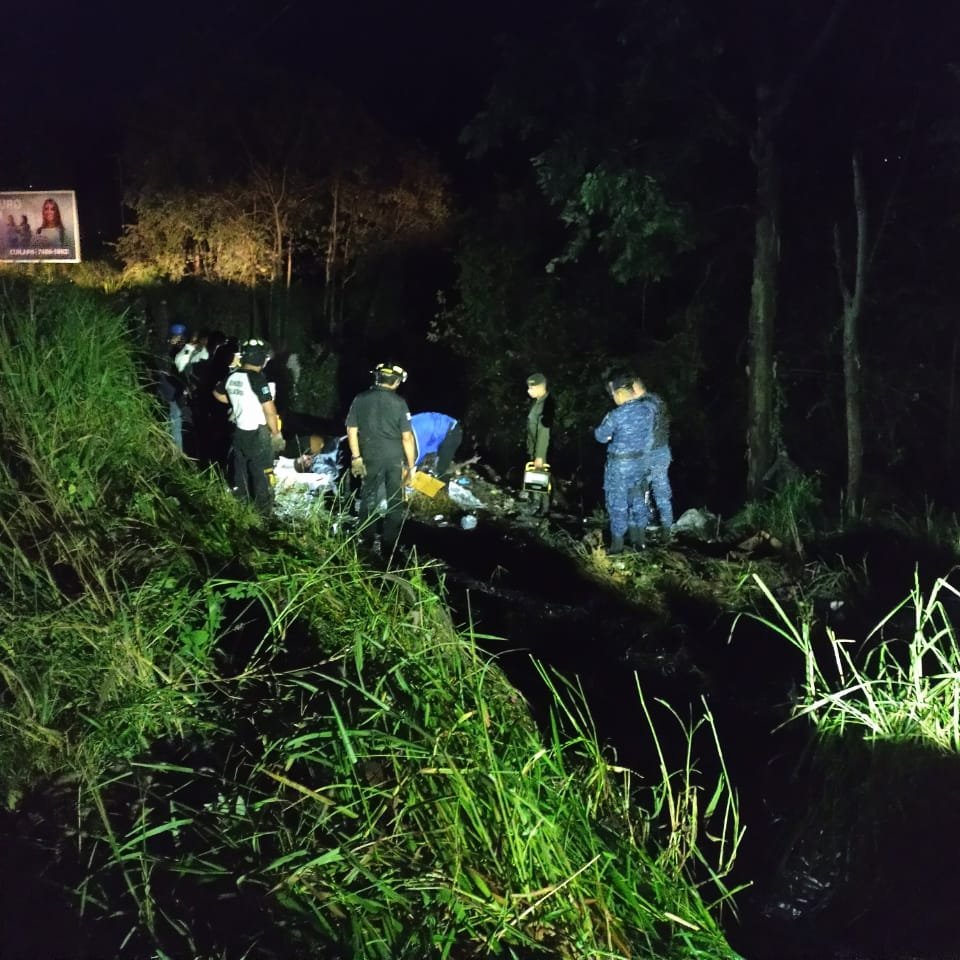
(628, 428)
(430, 430)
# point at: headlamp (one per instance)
(390, 371)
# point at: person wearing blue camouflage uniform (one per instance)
(628, 432)
(658, 460)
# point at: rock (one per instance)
(697, 523)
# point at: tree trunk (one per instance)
(329, 289)
(762, 428)
(852, 309)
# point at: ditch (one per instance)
(849, 850)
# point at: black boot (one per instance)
(637, 537)
(616, 546)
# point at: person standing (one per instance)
(659, 458)
(171, 387)
(436, 433)
(381, 441)
(539, 425)
(256, 432)
(628, 432)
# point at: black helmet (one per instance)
(620, 381)
(254, 352)
(389, 373)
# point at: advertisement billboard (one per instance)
(39, 227)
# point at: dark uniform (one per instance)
(628, 431)
(539, 424)
(380, 416)
(658, 461)
(250, 449)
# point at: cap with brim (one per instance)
(177, 329)
(536, 380)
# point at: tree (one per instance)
(772, 100)
(251, 184)
(852, 308)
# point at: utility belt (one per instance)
(626, 456)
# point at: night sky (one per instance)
(80, 70)
(76, 73)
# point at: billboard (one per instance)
(39, 227)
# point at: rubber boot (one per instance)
(637, 537)
(616, 546)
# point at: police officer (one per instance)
(256, 432)
(628, 432)
(658, 460)
(381, 441)
(539, 424)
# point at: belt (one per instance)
(636, 455)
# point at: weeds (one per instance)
(789, 514)
(892, 689)
(400, 799)
(301, 752)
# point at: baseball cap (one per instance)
(536, 380)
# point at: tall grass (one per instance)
(899, 684)
(789, 513)
(400, 799)
(96, 507)
(280, 751)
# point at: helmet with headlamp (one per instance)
(254, 352)
(389, 374)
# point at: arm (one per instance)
(220, 396)
(409, 449)
(542, 443)
(604, 433)
(353, 441)
(273, 420)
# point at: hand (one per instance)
(277, 443)
(538, 463)
(358, 468)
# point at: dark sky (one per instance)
(421, 68)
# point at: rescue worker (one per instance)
(381, 441)
(436, 433)
(539, 424)
(628, 432)
(658, 460)
(171, 387)
(256, 435)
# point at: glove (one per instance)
(358, 468)
(277, 443)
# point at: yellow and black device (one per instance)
(536, 479)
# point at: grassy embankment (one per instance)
(277, 749)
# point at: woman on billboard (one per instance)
(51, 233)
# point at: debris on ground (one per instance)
(699, 523)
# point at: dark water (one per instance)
(850, 851)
